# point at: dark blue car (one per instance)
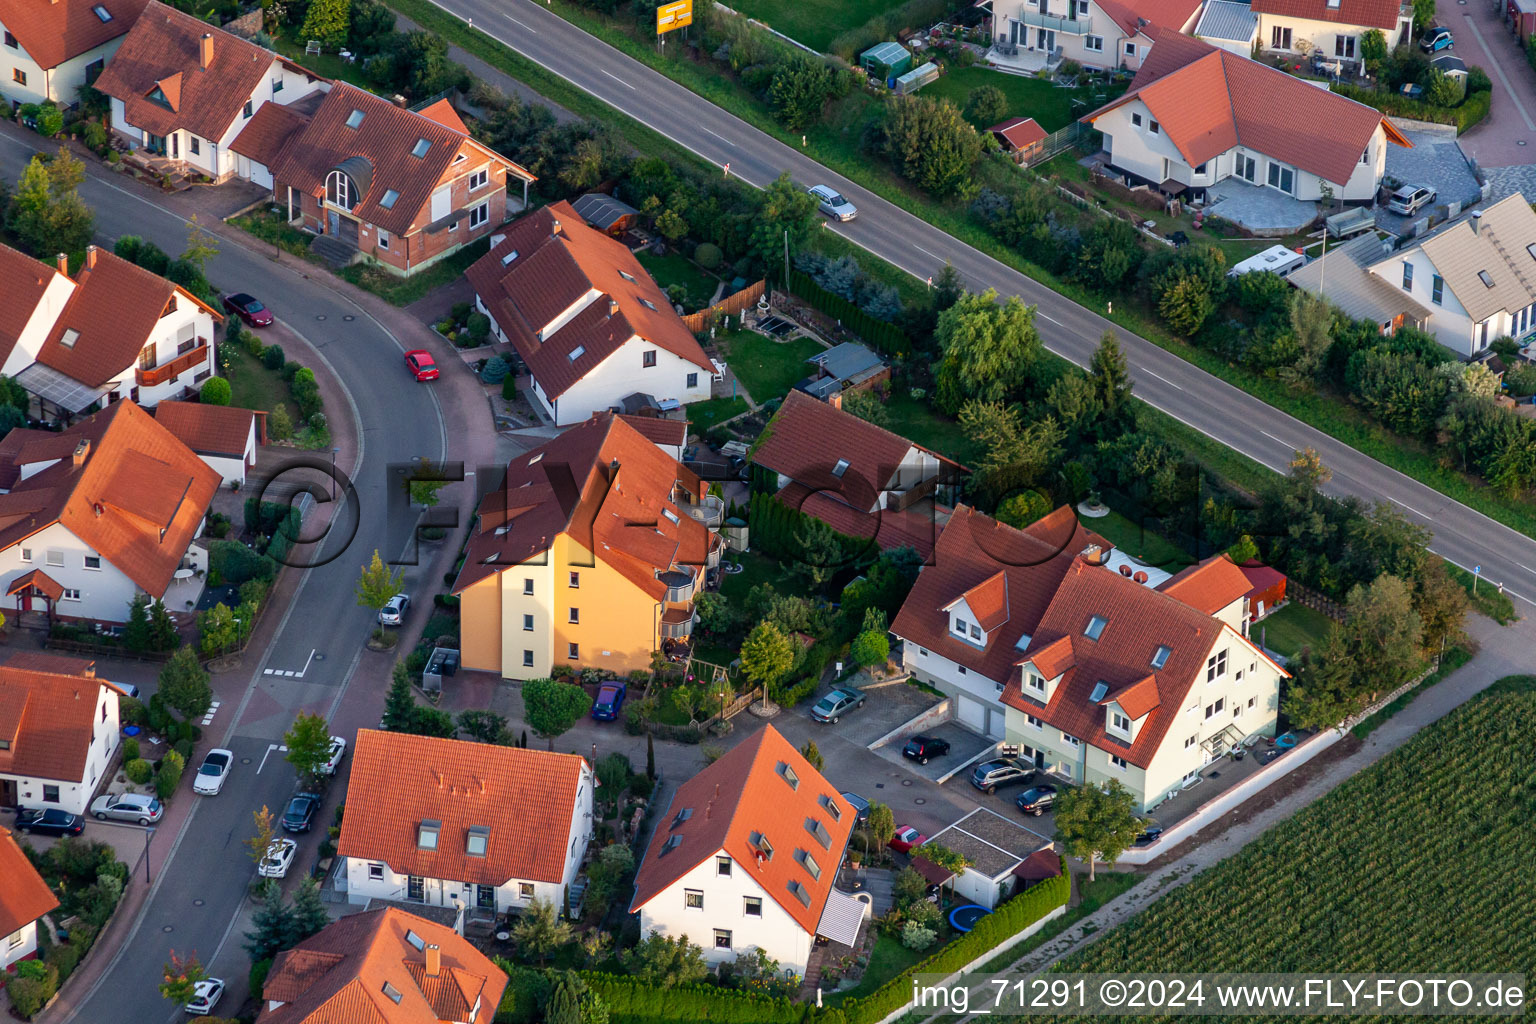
(610, 698)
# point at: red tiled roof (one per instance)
(339, 974)
(265, 135)
(1208, 100)
(53, 31)
(50, 720)
(443, 113)
(208, 429)
(909, 528)
(525, 797)
(138, 499)
(807, 439)
(659, 431)
(1381, 14)
(23, 280)
(36, 580)
(1138, 699)
(988, 601)
(1146, 15)
(568, 485)
(1261, 577)
(557, 263)
(1209, 586)
(1020, 132)
(743, 795)
(24, 897)
(1053, 659)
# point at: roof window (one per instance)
(535, 460)
(626, 275)
(1160, 658)
(1483, 276)
(415, 940)
(788, 775)
(799, 892)
(672, 843)
(1532, 250)
(69, 338)
(832, 808)
(761, 844)
(392, 992)
(809, 863)
(388, 202)
(426, 835)
(421, 147)
(647, 303)
(509, 257)
(354, 119)
(817, 829)
(577, 353)
(841, 468)
(682, 816)
(477, 840)
(1100, 688)
(1095, 627)
(671, 516)
(102, 13)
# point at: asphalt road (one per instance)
(1162, 379)
(199, 890)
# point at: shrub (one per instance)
(64, 958)
(478, 325)
(258, 976)
(184, 748)
(50, 121)
(272, 357)
(708, 255)
(236, 563)
(509, 387)
(131, 712)
(169, 776)
(914, 936)
(252, 344)
(130, 749)
(279, 424)
(29, 994)
(138, 771)
(95, 136)
(495, 371)
(216, 391)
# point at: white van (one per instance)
(1277, 259)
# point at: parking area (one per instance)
(127, 839)
(963, 746)
(1436, 160)
(1002, 802)
(886, 707)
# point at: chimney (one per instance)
(63, 262)
(434, 960)
(835, 400)
(81, 451)
(439, 779)
(554, 228)
(613, 306)
(205, 51)
(1477, 220)
(89, 671)
(90, 257)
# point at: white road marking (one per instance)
(516, 22)
(717, 135)
(270, 747)
(307, 662)
(925, 251)
(1052, 319)
(1410, 508)
(212, 709)
(1272, 437)
(1165, 380)
(1526, 568)
(616, 78)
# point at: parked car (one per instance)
(247, 308)
(1037, 800)
(839, 702)
(337, 752)
(214, 770)
(1409, 199)
(206, 996)
(48, 821)
(921, 748)
(1150, 833)
(831, 203)
(1435, 39)
(134, 807)
(278, 859)
(610, 699)
(393, 612)
(860, 807)
(421, 364)
(128, 690)
(300, 813)
(906, 839)
(1003, 771)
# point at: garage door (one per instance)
(995, 723)
(972, 713)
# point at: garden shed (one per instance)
(993, 847)
(886, 59)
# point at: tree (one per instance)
(1013, 455)
(1321, 693)
(986, 106)
(785, 207)
(1382, 633)
(931, 144)
(273, 925)
(485, 727)
(766, 654)
(201, 246)
(1475, 379)
(1441, 604)
(47, 214)
(1022, 508)
(1094, 822)
(666, 963)
(1244, 550)
(882, 824)
(327, 21)
(418, 64)
(184, 685)
(217, 629)
(163, 635)
(258, 844)
(1423, 13)
(1442, 90)
(377, 583)
(1312, 333)
(309, 913)
(551, 706)
(606, 877)
(820, 554)
(813, 755)
(1074, 401)
(540, 930)
(799, 90)
(871, 647)
(1109, 374)
(671, 225)
(399, 702)
(136, 635)
(1111, 252)
(866, 405)
(309, 745)
(180, 977)
(989, 350)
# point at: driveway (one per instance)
(1507, 137)
(124, 837)
(1002, 801)
(963, 746)
(887, 706)
(1436, 160)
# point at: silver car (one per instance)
(831, 203)
(837, 703)
(1409, 199)
(393, 613)
(135, 807)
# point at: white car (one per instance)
(831, 203)
(134, 807)
(214, 770)
(393, 613)
(206, 997)
(338, 751)
(278, 859)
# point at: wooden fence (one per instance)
(699, 322)
(1304, 595)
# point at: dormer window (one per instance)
(157, 95)
(809, 863)
(962, 627)
(426, 835)
(788, 774)
(832, 808)
(817, 829)
(1160, 656)
(1119, 722)
(841, 468)
(420, 149)
(1034, 683)
(388, 202)
(1100, 688)
(1095, 627)
(682, 816)
(354, 119)
(477, 840)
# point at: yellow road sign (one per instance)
(674, 15)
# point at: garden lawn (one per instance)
(253, 386)
(674, 268)
(887, 960)
(767, 368)
(1039, 98)
(756, 568)
(1292, 628)
(402, 291)
(916, 420)
(815, 22)
(703, 415)
(1137, 542)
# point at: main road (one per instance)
(1189, 394)
(199, 886)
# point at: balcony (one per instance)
(710, 511)
(679, 586)
(677, 623)
(148, 378)
(1065, 25)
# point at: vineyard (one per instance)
(1420, 863)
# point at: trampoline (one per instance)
(963, 919)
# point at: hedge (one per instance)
(1469, 112)
(236, 563)
(637, 1002)
(887, 338)
(776, 530)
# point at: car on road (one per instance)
(1435, 39)
(989, 776)
(921, 748)
(393, 612)
(860, 807)
(338, 750)
(48, 821)
(1409, 199)
(205, 996)
(278, 859)
(839, 702)
(1037, 800)
(1150, 833)
(421, 364)
(906, 839)
(214, 770)
(830, 202)
(249, 309)
(610, 699)
(134, 807)
(299, 816)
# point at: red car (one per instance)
(247, 308)
(907, 839)
(421, 364)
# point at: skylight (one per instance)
(789, 775)
(682, 816)
(626, 275)
(415, 940)
(832, 808)
(1482, 275)
(102, 13)
(577, 353)
(509, 257)
(392, 992)
(421, 147)
(809, 863)
(841, 468)
(671, 516)
(1095, 627)
(535, 460)
(1532, 250)
(388, 202)
(1100, 688)
(648, 304)
(672, 843)
(354, 119)
(761, 844)
(70, 337)
(1160, 658)
(817, 829)
(799, 892)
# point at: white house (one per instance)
(1257, 124)
(36, 294)
(96, 514)
(1474, 276)
(223, 436)
(57, 736)
(1332, 26)
(1095, 33)
(589, 322)
(452, 823)
(50, 49)
(183, 89)
(24, 898)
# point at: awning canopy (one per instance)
(843, 915)
(38, 580)
(62, 390)
(1039, 866)
(935, 874)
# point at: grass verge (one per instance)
(1486, 596)
(1453, 660)
(402, 291)
(274, 230)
